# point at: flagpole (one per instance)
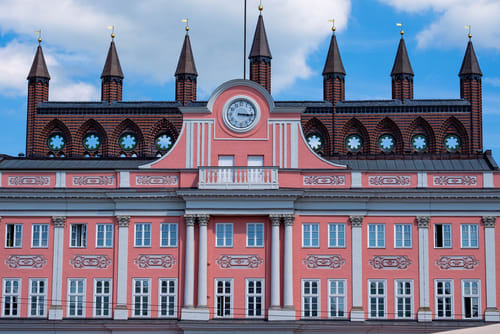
(245, 41)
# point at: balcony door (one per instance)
(255, 175)
(225, 175)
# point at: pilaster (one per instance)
(357, 311)
(491, 312)
(424, 313)
(288, 267)
(202, 312)
(187, 311)
(55, 310)
(121, 309)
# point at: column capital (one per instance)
(489, 221)
(203, 219)
(123, 221)
(288, 219)
(189, 219)
(58, 221)
(275, 219)
(423, 221)
(356, 221)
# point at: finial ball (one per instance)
(113, 35)
(334, 29)
(402, 32)
(39, 40)
(187, 28)
(261, 7)
(470, 35)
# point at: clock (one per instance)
(240, 114)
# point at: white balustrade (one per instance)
(238, 178)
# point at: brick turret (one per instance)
(186, 74)
(471, 89)
(402, 74)
(112, 76)
(38, 91)
(334, 74)
(260, 56)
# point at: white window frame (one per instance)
(337, 295)
(336, 238)
(231, 296)
(469, 233)
(83, 235)
(311, 237)
(377, 227)
(17, 295)
(143, 239)
(452, 295)
(167, 294)
(141, 294)
(37, 295)
(15, 238)
(478, 296)
(262, 296)
(255, 235)
(41, 233)
(76, 294)
(443, 236)
(403, 240)
(105, 235)
(377, 295)
(404, 295)
(225, 243)
(169, 243)
(102, 295)
(303, 297)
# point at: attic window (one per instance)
(354, 143)
(128, 141)
(452, 143)
(92, 141)
(419, 142)
(56, 141)
(315, 141)
(164, 142)
(387, 143)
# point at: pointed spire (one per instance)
(186, 60)
(333, 60)
(402, 62)
(470, 65)
(112, 67)
(39, 67)
(260, 46)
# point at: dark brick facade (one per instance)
(260, 72)
(111, 89)
(38, 91)
(402, 87)
(185, 88)
(470, 89)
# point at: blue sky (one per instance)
(150, 33)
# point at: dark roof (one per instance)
(402, 62)
(260, 46)
(333, 60)
(115, 107)
(397, 102)
(470, 65)
(186, 60)
(53, 164)
(112, 66)
(39, 67)
(473, 165)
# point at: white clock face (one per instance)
(241, 115)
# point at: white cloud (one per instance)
(150, 34)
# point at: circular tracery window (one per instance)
(164, 142)
(387, 143)
(56, 141)
(452, 142)
(354, 143)
(128, 141)
(419, 142)
(92, 141)
(315, 141)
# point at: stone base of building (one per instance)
(281, 314)
(191, 313)
(424, 314)
(357, 314)
(121, 312)
(55, 312)
(491, 314)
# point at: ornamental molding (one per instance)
(97, 180)
(203, 219)
(189, 220)
(323, 261)
(356, 221)
(123, 221)
(58, 221)
(465, 262)
(448, 180)
(153, 180)
(28, 180)
(275, 220)
(239, 261)
(155, 261)
(288, 220)
(423, 221)
(90, 261)
(390, 262)
(324, 180)
(489, 221)
(26, 261)
(389, 180)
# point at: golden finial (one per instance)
(187, 24)
(39, 32)
(112, 28)
(332, 21)
(260, 6)
(402, 32)
(470, 30)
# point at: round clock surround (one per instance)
(241, 114)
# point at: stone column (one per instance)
(288, 270)
(202, 309)
(188, 306)
(56, 311)
(424, 313)
(121, 309)
(357, 312)
(275, 266)
(491, 312)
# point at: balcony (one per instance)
(238, 178)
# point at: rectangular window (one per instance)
(168, 297)
(143, 235)
(224, 235)
(471, 299)
(376, 235)
(336, 235)
(37, 297)
(444, 299)
(469, 236)
(102, 298)
(442, 235)
(76, 297)
(11, 295)
(140, 297)
(225, 175)
(14, 235)
(169, 235)
(40, 236)
(255, 235)
(104, 237)
(376, 299)
(402, 235)
(255, 175)
(310, 235)
(404, 299)
(337, 298)
(255, 298)
(79, 235)
(223, 298)
(310, 298)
